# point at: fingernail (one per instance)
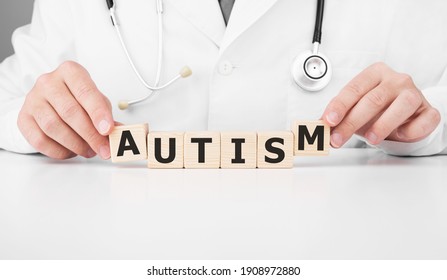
(103, 126)
(90, 153)
(372, 137)
(332, 118)
(104, 152)
(336, 140)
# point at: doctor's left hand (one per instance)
(380, 104)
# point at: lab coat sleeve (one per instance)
(39, 48)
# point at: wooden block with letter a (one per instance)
(165, 150)
(128, 142)
(311, 138)
(238, 149)
(275, 149)
(202, 149)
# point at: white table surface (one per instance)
(353, 204)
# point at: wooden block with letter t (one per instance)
(128, 143)
(238, 149)
(165, 150)
(202, 149)
(275, 149)
(311, 138)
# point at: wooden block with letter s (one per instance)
(311, 138)
(238, 149)
(275, 149)
(165, 149)
(128, 143)
(202, 149)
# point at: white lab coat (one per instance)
(241, 74)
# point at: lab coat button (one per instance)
(225, 68)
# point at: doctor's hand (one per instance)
(65, 115)
(380, 104)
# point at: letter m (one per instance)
(304, 136)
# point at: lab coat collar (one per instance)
(205, 15)
(244, 14)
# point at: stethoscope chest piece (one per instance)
(312, 72)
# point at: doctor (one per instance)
(388, 58)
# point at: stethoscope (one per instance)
(183, 73)
(311, 69)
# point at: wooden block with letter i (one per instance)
(311, 138)
(128, 143)
(238, 149)
(202, 149)
(275, 149)
(165, 150)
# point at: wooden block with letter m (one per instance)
(311, 138)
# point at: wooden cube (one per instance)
(202, 149)
(275, 149)
(128, 143)
(238, 149)
(165, 150)
(311, 138)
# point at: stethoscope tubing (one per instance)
(300, 73)
(183, 73)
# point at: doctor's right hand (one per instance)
(65, 115)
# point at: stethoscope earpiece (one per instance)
(185, 72)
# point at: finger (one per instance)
(84, 90)
(75, 116)
(418, 128)
(55, 128)
(402, 108)
(371, 105)
(41, 142)
(363, 83)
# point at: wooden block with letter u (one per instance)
(202, 149)
(275, 149)
(311, 138)
(128, 143)
(165, 149)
